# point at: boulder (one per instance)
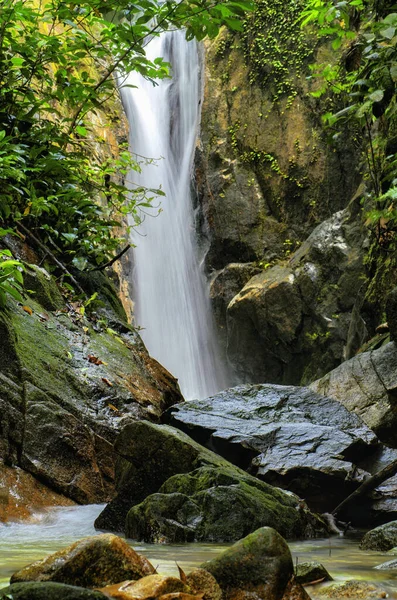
(287, 436)
(310, 572)
(213, 505)
(48, 591)
(366, 385)
(172, 489)
(95, 561)
(292, 322)
(67, 384)
(260, 566)
(147, 588)
(381, 538)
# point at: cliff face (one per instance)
(267, 175)
(68, 383)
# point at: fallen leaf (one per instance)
(113, 407)
(182, 574)
(44, 317)
(94, 359)
(105, 380)
(27, 309)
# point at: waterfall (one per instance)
(171, 301)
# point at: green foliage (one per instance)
(11, 278)
(365, 79)
(275, 46)
(57, 64)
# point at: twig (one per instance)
(53, 258)
(112, 260)
(368, 485)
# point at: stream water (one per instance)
(50, 530)
(170, 290)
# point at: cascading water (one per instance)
(171, 303)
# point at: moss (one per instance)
(42, 287)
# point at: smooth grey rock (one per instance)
(390, 565)
(296, 439)
(367, 386)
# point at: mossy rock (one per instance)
(211, 505)
(259, 565)
(91, 562)
(48, 591)
(382, 538)
(309, 572)
(43, 288)
(162, 472)
(64, 389)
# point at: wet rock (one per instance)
(147, 588)
(43, 288)
(287, 436)
(173, 489)
(48, 591)
(226, 284)
(352, 589)
(94, 561)
(381, 538)
(214, 505)
(391, 314)
(260, 565)
(390, 565)
(201, 581)
(366, 385)
(309, 572)
(61, 410)
(21, 494)
(292, 322)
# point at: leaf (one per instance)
(182, 574)
(27, 309)
(105, 380)
(377, 96)
(393, 72)
(388, 33)
(113, 407)
(94, 359)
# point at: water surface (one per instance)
(52, 529)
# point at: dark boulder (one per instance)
(381, 538)
(287, 436)
(260, 566)
(48, 591)
(173, 489)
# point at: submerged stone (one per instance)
(94, 561)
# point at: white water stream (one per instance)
(171, 300)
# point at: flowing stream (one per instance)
(50, 530)
(171, 299)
